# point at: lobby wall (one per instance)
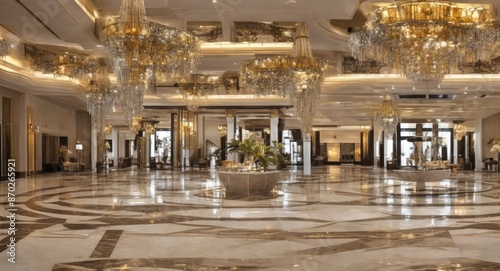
(490, 129)
(52, 119)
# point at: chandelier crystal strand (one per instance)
(101, 97)
(388, 116)
(424, 40)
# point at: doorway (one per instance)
(347, 153)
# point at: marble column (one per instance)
(231, 132)
(307, 154)
(274, 126)
(435, 141)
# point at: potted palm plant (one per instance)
(257, 179)
(257, 156)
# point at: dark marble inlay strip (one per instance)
(107, 244)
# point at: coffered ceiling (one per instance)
(347, 99)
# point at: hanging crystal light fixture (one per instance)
(108, 129)
(424, 40)
(101, 96)
(143, 51)
(388, 116)
(149, 127)
(222, 130)
(460, 130)
(195, 89)
(74, 66)
(135, 125)
(299, 77)
(5, 47)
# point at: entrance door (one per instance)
(347, 153)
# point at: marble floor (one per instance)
(338, 218)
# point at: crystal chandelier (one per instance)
(460, 131)
(101, 97)
(143, 51)
(299, 77)
(74, 66)
(388, 116)
(108, 129)
(5, 47)
(423, 40)
(195, 89)
(149, 127)
(222, 130)
(135, 124)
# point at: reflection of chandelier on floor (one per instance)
(388, 116)
(423, 40)
(299, 77)
(101, 96)
(195, 88)
(143, 51)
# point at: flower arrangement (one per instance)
(495, 142)
(63, 152)
(495, 147)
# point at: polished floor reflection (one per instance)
(338, 218)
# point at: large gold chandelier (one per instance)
(425, 39)
(388, 116)
(143, 52)
(195, 88)
(460, 130)
(299, 77)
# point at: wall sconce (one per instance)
(108, 128)
(33, 128)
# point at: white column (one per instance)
(307, 154)
(116, 150)
(274, 129)
(93, 150)
(477, 145)
(231, 126)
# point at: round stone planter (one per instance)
(249, 183)
(420, 177)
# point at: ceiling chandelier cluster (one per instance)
(460, 131)
(195, 88)
(299, 77)
(101, 97)
(74, 66)
(5, 47)
(143, 51)
(388, 116)
(424, 39)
